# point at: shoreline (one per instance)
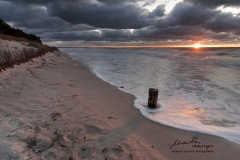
(188, 123)
(78, 115)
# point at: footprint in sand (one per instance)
(6, 152)
(91, 129)
(7, 81)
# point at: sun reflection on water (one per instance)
(191, 113)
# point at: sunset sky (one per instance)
(127, 22)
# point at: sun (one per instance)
(197, 45)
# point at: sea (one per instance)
(199, 88)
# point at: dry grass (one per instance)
(12, 38)
(34, 44)
(9, 58)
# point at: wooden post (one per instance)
(153, 97)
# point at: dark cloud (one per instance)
(71, 36)
(158, 12)
(76, 2)
(45, 2)
(78, 27)
(93, 35)
(223, 22)
(29, 17)
(117, 1)
(152, 34)
(188, 15)
(172, 32)
(149, 35)
(220, 36)
(111, 35)
(215, 3)
(101, 15)
(31, 2)
(184, 14)
(121, 20)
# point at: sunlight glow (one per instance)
(191, 113)
(131, 30)
(234, 10)
(197, 45)
(170, 4)
(98, 31)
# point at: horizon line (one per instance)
(214, 46)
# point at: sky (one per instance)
(127, 22)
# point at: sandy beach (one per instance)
(55, 108)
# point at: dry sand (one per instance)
(54, 108)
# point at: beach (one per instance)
(54, 108)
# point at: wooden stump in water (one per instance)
(153, 97)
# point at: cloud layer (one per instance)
(125, 21)
(215, 3)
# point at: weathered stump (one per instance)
(153, 97)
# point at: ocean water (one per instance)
(199, 89)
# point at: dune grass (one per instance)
(12, 38)
(10, 58)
